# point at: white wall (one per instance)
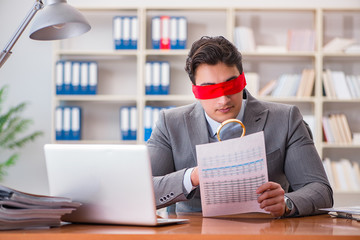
(28, 72)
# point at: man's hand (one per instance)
(272, 198)
(195, 177)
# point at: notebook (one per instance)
(113, 183)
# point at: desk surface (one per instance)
(250, 226)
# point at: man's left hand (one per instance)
(271, 198)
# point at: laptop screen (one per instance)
(113, 182)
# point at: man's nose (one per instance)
(224, 99)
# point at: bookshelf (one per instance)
(122, 72)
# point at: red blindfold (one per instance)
(221, 89)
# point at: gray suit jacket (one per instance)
(291, 156)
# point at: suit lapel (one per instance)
(255, 115)
(196, 127)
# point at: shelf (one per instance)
(326, 100)
(96, 142)
(97, 53)
(341, 54)
(166, 52)
(340, 145)
(280, 54)
(96, 98)
(165, 98)
(288, 99)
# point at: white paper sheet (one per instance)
(230, 172)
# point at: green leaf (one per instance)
(9, 162)
(12, 127)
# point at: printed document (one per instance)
(230, 171)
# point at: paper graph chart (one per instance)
(230, 172)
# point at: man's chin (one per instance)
(225, 117)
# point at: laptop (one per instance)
(113, 183)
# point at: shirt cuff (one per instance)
(187, 181)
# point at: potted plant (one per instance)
(12, 133)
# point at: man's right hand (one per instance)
(195, 177)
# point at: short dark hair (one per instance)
(212, 50)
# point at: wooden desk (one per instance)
(238, 227)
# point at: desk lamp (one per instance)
(57, 20)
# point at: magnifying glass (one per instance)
(227, 122)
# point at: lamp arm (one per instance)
(5, 54)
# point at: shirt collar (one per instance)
(214, 125)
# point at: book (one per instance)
(341, 88)
(244, 39)
(339, 176)
(350, 176)
(329, 172)
(328, 134)
(301, 40)
(310, 82)
(20, 210)
(352, 212)
(268, 88)
(340, 127)
(338, 44)
(346, 128)
(271, 49)
(252, 82)
(328, 84)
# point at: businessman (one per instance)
(297, 185)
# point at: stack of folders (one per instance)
(169, 32)
(128, 122)
(352, 212)
(76, 77)
(68, 123)
(151, 115)
(125, 32)
(20, 210)
(157, 80)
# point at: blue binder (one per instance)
(84, 77)
(67, 77)
(133, 32)
(126, 32)
(75, 78)
(165, 78)
(182, 33)
(125, 123)
(155, 32)
(148, 78)
(147, 122)
(174, 33)
(117, 32)
(156, 77)
(93, 78)
(133, 123)
(66, 123)
(59, 131)
(75, 129)
(59, 77)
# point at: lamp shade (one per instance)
(58, 20)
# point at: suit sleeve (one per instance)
(304, 169)
(168, 183)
